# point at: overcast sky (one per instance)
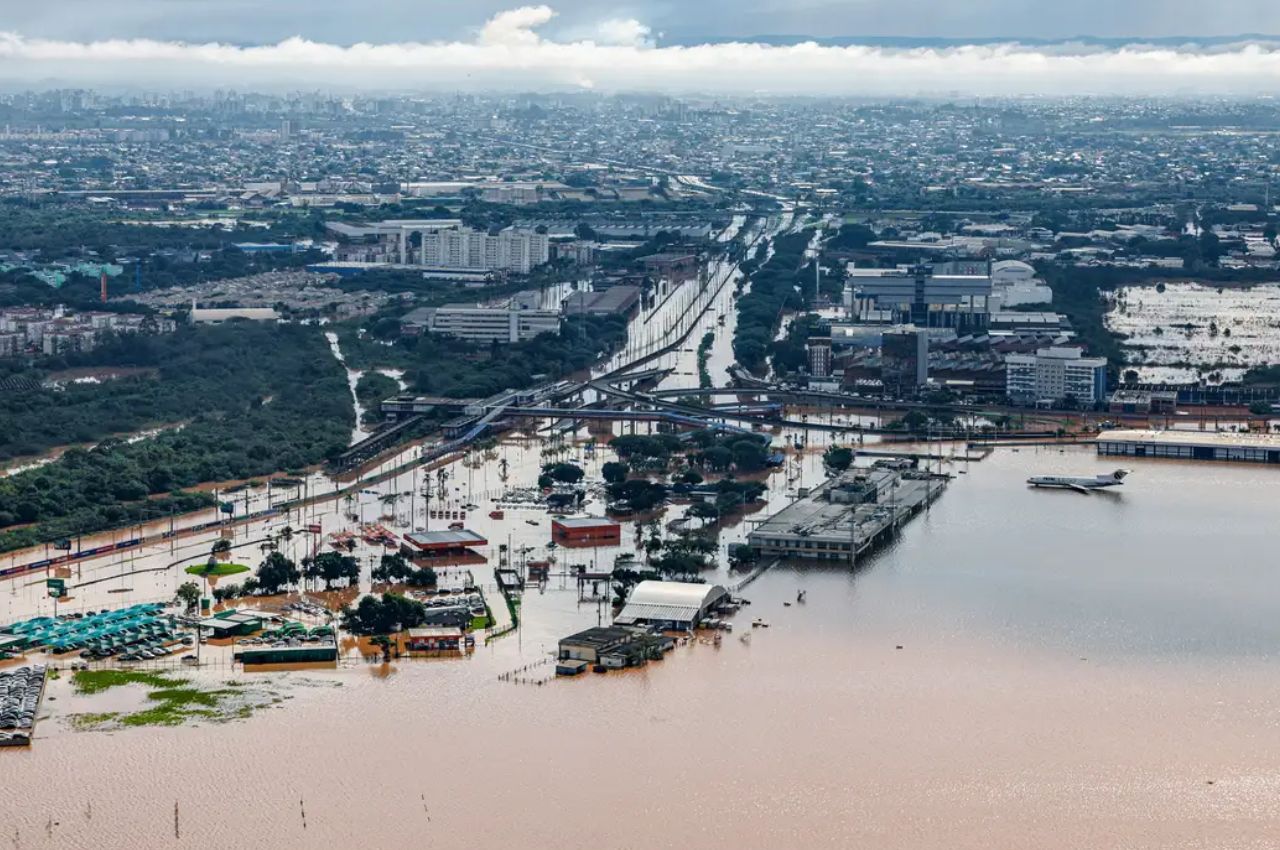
(345, 21)
(577, 44)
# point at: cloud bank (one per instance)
(508, 53)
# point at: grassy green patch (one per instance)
(481, 622)
(175, 700)
(216, 569)
(93, 720)
(96, 681)
(174, 706)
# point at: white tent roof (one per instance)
(654, 601)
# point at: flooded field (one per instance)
(1194, 332)
(997, 677)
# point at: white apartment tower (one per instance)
(465, 249)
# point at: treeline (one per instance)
(62, 230)
(66, 233)
(436, 365)
(264, 399)
(18, 287)
(773, 289)
(193, 371)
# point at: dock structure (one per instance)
(848, 516)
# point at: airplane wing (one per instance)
(1079, 489)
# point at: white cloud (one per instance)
(509, 54)
(627, 31)
(516, 26)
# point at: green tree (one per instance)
(689, 476)
(1210, 247)
(189, 595)
(728, 502)
(422, 577)
(383, 615)
(641, 495)
(565, 473)
(837, 458)
(615, 472)
(277, 572)
(749, 455)
(703, 510)
(717, 458)
(741, 555)
(392, 568)
(334, 566)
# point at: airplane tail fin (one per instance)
(1119, 474)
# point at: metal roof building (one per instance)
(1191, 445)
(434, 541)
(670, 604)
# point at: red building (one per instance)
(437, 639)
(586, 531)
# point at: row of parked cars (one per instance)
(308, 608)
(144, 649)
(291, 641)
(473, 601)
(20, 691)
(155, 649)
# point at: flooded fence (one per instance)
(528, 674)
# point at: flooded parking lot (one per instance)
(1192, 331)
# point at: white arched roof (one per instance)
(1011, 271)
(680, 601)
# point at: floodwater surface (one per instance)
(1021, 668)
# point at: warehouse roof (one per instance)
(600, 637)
(459, 537)
(661, 601)
(1194, 438)
(435, 632)
(585, 522)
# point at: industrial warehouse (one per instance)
(610, 648)
(1192, 445)
(671, 605)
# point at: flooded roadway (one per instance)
(690, 310)
(1074, 671)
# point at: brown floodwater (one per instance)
(1074, 671)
